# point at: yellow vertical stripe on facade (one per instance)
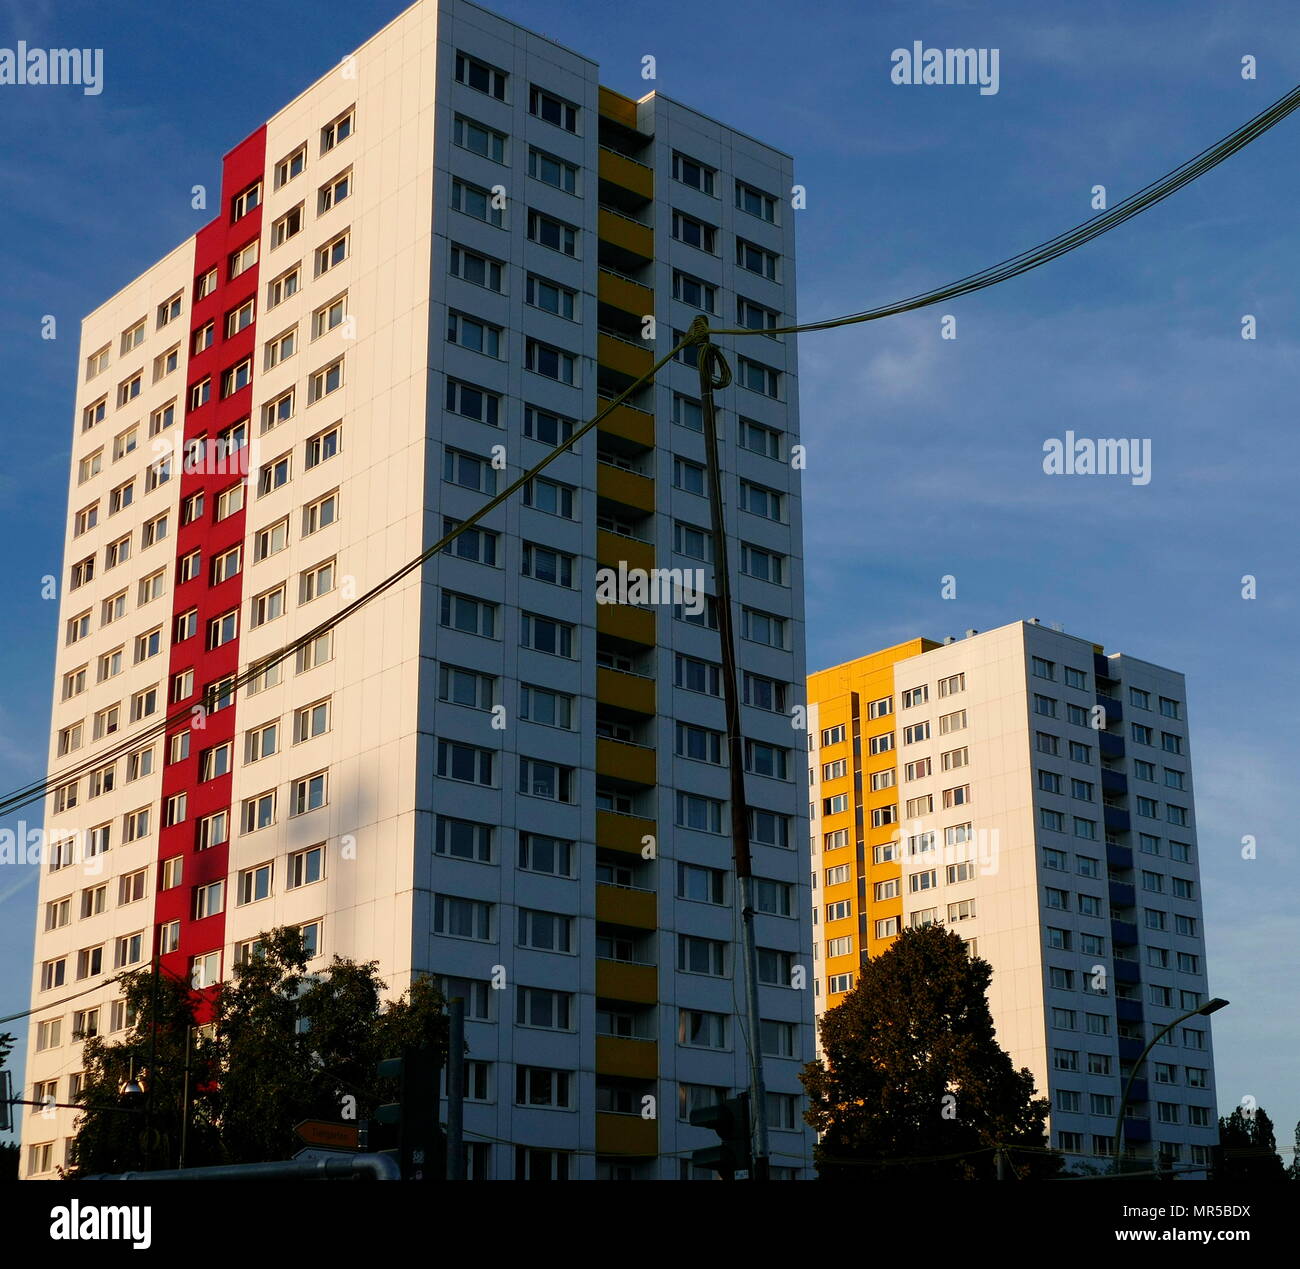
(840, 692)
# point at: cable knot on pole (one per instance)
(715, 374)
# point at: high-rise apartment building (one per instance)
(421, 275)
(1034, 795)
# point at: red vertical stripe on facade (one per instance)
(208, 471)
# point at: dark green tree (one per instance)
(284, 1045)
(914, 1083)
(123, 1130)
(301, 1046)
(1247, 1149)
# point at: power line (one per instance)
(1157, 191)
(699, 336)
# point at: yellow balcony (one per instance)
(626, 1134)
(631, 424)
(627, 691)
(628, 234)
(636, 625)
(620, 292)
(628, 487)
(617, 107)
(632, 1059)
(620, 905)
(624, 762)
(623, 832)
(617, 980)
(627, 173)
(633, 360)
(613, 549)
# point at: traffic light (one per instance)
(730, 1120)
(413, 1136)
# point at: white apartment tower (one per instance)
(1035, 795)
(422, 274)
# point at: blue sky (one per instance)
(924, 454)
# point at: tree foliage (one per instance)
(1247, 1149)
(914, 1082)
(283, 1045)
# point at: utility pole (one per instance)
(456, 1089)
(185, 1096)
(711, 364)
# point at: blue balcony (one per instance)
(1136, 1129)
(1114, 710)
(1119, 856)
(1139, 1092)
(1115, 819)
(1123, 933)
(1127, 972)
(1110, 746)
(1101, 666)
(1128, 1010)
(1122, 895)
(1129, 1050)
(1113, 781)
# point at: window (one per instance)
(552, 171)
(477, 202)
(337, 130)
(480, 76)
(326, 380)
(543, 634)
(205, 970)
(477, 336)
(334, 191)
(93, 413)
(305, 867)
(332, 253)
(463, 839)
(553, 109)
(281, 348)
(258, 812)
(479, 269)
(243, 259)
(317, 581)
(457, 761)
(761, 501)
(474, 616)
(755, 202)
(694, 233)
(550, 362)
(756, 259)
(308, 793)
(545, 780)
(545, 931)
(761, 627)
(699, 813)
(289, 282)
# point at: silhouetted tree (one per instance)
(914, 1083)
(1247, 1150)
(284, 1045)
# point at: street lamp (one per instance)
(1209, 1007)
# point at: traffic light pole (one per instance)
(715, 374)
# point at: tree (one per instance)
(1247, 1150)
(121, 1129)
(914, 1083)
(285, 1045)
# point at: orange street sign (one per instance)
(321, 1132)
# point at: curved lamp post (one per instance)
(1209, 1007)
